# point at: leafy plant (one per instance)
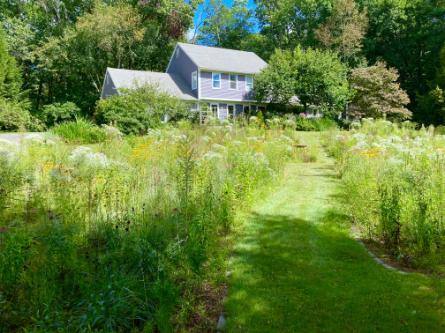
(138, 110)
(56, 113)
(13, 116)
(80, 131)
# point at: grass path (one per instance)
(296, 268)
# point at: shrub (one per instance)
(80, 131)
(136, 111)
(13, 116)
(314, 124)
(56, 113)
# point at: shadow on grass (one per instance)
(293, 275)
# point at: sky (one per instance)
(199, 11)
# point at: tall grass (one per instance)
(394, 178)
(80, 131)
(127, 235)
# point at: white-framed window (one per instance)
(194, 80)
(216, 80)
(233, 81)
(249, 82)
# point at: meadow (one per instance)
(128, 234)
(394, 188)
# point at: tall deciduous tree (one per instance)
(122, 36)
(75, 63)
(344, 30)
(288, 23)
(378, 94)
(317, 78)
(408, 35)
(432, 104)
(226, 26)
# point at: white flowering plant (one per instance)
(394, 184)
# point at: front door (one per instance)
(214, 108)
(231, 109)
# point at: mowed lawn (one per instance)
(296, 268)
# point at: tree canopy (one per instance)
(10, 76)
(377, 93)
(317, 78)
(62, 48)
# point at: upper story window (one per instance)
(194, 80)
(249, 82)
(233, 81)
(216, 80)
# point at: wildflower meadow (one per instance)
(394, 186)
(129, 234)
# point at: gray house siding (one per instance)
(239, 94)
(108, 88)
(182, 65)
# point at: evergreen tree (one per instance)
(10, 76)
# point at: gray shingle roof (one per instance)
(166, 82)
(223, 60)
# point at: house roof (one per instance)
(166, 82)
(223, 60)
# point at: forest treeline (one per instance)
(54, 51)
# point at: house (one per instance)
(221, 79)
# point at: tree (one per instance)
(13, 106)
(407, 35)
(44, 36)
(431, 106)
(224, 26)
(317, 78)
(344, 31)
(10, 76)
(74, 64)
(378, 94)
(289, 23)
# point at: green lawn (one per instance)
(296, 268)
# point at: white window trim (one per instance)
(236, 82)
(195, 82)
(220, 80)
(247, 87)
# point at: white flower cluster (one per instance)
(212, 156)
(8, 152)
(38, 138)
(85, 157)
(401, 147)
